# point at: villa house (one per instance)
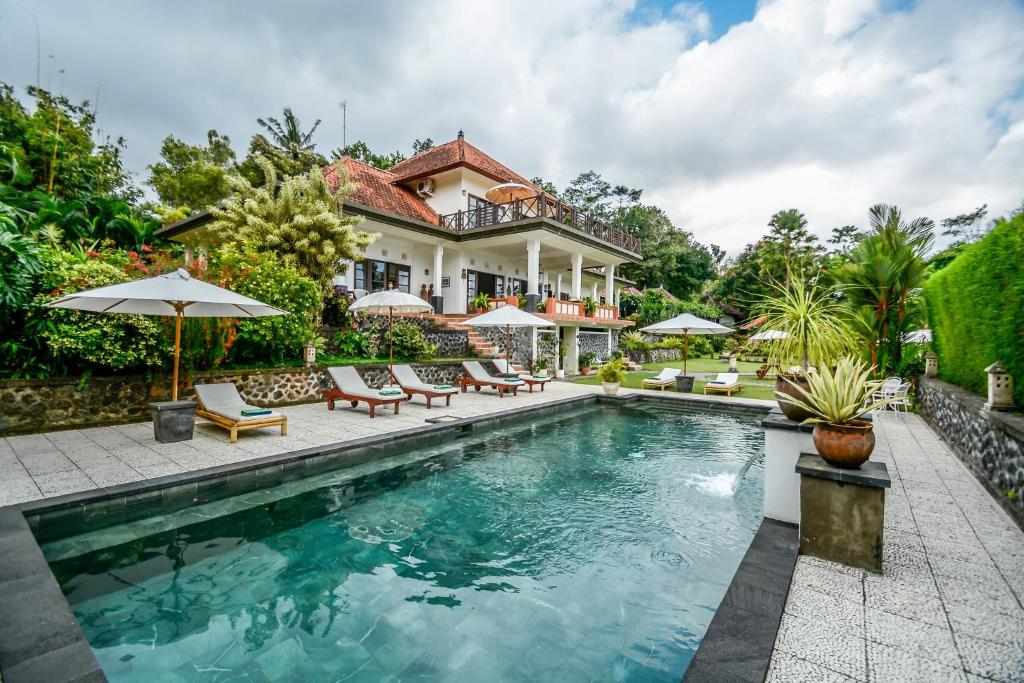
(442, 239)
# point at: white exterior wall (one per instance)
(782, 448)
(452, 190)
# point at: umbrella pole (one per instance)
(391, 346)
(686, 350)
(179, 313)
(508, 346)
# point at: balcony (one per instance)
(540, 206)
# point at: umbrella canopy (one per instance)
(508, 317)
(918, 337)
(686, 324)
(507, 192)
(391, 301)
(177, 294)
(770, 335)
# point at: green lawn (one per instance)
(752, 387)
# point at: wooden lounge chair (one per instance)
(724, 383)
(406, 378)
(477, 377)
(530, 381)
(222, 405)
(664, 380)
(349, 386)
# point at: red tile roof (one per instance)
(451, 155)
(756, 322)
(377, 189)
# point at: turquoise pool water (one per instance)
(593, 545)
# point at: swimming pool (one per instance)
(593, 544)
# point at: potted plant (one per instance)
(586, 361)
(480, 303)
(589, 306)
(834, 400)
(541, 369)
(612, 375)
(542, 306)
(812, 335)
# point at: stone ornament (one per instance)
(1000, 388)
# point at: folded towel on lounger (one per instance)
(443, 386)
(391, 392)
(254, 412)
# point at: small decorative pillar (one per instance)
(931, 364)
(1000, 388)
(842, 511)
(732, 363)
(309, 352)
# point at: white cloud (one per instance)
(824, 106)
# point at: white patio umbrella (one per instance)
(686, 324)
(177, 294)
(770, 335)
(390, 301)
(508, 317)
(507, 192)
(918, 337)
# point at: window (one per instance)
(376, 276)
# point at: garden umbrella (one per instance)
(770, 335)
(390, 301)
(507, 192)
(177, 294)
(918, 337)
(686, 325)
(508, 317)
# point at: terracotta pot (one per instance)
(847, 446)
(585, 371)
(781, 385)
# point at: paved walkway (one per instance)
(948, 605)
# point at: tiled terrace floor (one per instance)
(948, 605)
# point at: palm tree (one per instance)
(288, 137)
(883, 279)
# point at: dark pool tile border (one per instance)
(40, 640)
(739, 642)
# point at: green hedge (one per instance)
(976, 310)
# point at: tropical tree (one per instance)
(299, 220)
(288, 137)
(812, 320)
(19, 263)
(193, 176)
(882, 282)
(360, 151)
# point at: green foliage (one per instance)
(354, 343)
(813, 320)
(480, 302)
(974, 308)
(589, 305)
(360, 151)
(652, 306)
(409, 342)
(613, 371)
(20, 262)
(193, 176)
(336, 310)
(837, 397)
(587, 359)
(634, 340)
(87, 341)
(274, 339)
(298, 221)
(882, 283)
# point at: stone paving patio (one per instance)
(948, 605)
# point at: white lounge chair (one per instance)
(349, 386)
(222, 405)
(477, 377)
(411, 384)
(665, 379)
(724, 383)
(530, 380)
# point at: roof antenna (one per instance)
(343, 106)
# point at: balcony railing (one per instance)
(539, 206)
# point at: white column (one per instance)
(572, 351)
(577, 276)
(533, 267)
(438, 268)
(593, 292)
(558, 285)
(609, 284)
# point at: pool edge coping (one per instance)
(740, 639)
(54, 648)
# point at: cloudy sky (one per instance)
(724, 112)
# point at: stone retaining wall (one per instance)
(990, 443)
(49, 404)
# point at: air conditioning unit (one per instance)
(425, 188)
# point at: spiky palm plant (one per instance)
(288, 136)
(837, 397)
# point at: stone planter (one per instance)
(173, 420)
(782, 385)
(684, 385)
(847, 446)
(610, 388)
(559, 374)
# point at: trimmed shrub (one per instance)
(410, 344)
(976, 309)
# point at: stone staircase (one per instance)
(480, 344)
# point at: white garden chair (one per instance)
(899, 400)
